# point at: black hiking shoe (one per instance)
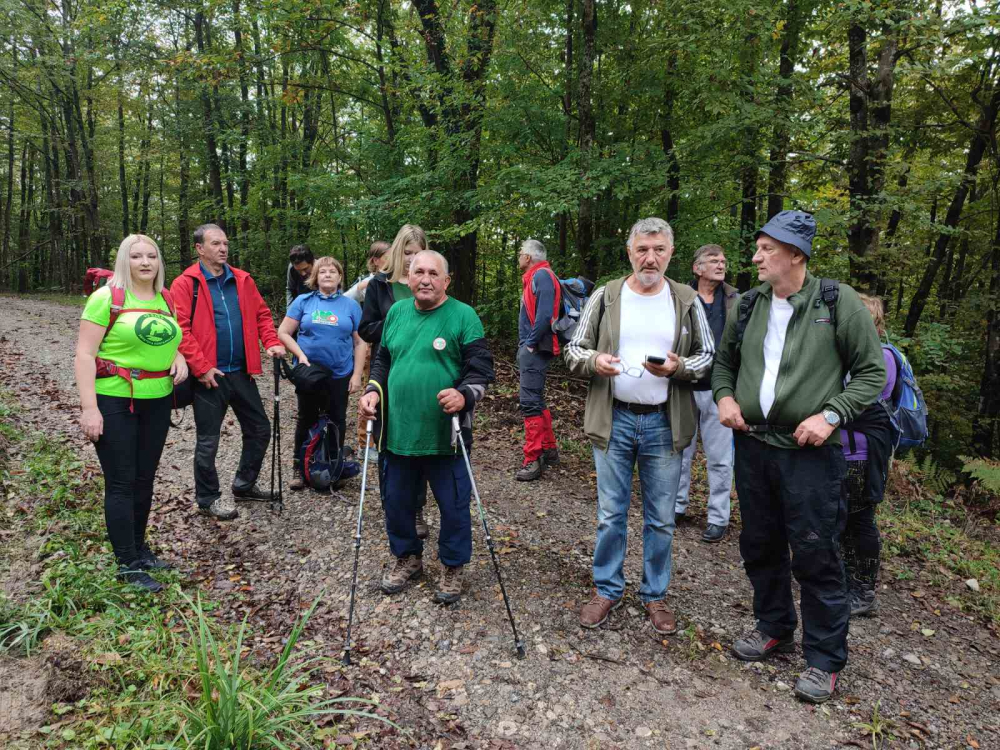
(679, 518)
(863, 603)
(149, 561)
(139, 579)
(815, 686)
(550, 456)
(714, 533)
(253, 492)
(757, 646)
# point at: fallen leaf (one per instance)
(927, 632)
(916, 594)
(972, 743)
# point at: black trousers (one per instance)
(794, 499)
(238, 390)
(129, 450)
(862, 544)
(332, 403)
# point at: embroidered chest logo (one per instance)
(155, 330)
(324, 318)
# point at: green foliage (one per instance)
(240, 710)
(986, 472)
(878, 728)
(935, 478)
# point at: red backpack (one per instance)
(96, 278)
(108, 369)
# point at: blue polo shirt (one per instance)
(326, 328)
(230, 354)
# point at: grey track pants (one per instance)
(718, 444)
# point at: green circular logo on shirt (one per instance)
(155, 330)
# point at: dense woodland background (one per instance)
(490, 121)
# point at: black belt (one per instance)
(639, 408)
(779, 429)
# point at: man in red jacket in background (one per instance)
(222, 316)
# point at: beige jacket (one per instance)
(599, 332)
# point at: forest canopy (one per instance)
(489, 122)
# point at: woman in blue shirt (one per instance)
(327, 326)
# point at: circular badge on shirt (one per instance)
(440, 344)
(155, 330)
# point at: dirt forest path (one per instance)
(450, 675)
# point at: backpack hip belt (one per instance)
(108, 369)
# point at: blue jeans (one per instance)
(645, 438)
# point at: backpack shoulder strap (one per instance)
(747, 302)
(168, 298)
(117, 303)
(829, 292)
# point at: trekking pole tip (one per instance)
(346, 661)
(520, 650)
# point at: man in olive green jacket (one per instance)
(782, 391)
(641, 339)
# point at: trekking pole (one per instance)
(276, 440)
(357, 541)
(518, 644)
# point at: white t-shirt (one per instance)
(648, 324)
(774, 343)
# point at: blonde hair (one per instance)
(123, 271)
(877, 309)
(313, 281)
(394, 261)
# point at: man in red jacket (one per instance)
(222, 316)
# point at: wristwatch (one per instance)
(831, 417)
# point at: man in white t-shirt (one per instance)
(642, 339)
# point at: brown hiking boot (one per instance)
(404, 569)
(421, 524)
(298, 483)
(662, 619)
(450, 584)
(596, 611)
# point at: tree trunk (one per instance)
(980, 139)
(214, 167)
(667, 141)
(122, 180)
(987, 419)
(778, 158)
(749, 171)
(588, 131)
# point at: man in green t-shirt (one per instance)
(433, 362)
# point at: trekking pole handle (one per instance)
(368, 426)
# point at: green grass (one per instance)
(152, 672)
(950, 543)
(63, 298)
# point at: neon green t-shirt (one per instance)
(144, 341)
(426, 351)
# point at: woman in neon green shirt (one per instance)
(127, 414)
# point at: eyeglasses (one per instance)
(632, 372)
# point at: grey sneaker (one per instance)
(863, 603)
(530, 471)
(404, 569)
(757, 646)
(815, 686)
(223, 509)
(449, 588)
(421, 524)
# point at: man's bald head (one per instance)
(435, 255)
(429, 279)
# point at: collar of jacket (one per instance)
(526, 276)
(805, 292)
(226, 274)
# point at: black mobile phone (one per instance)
(656, 360)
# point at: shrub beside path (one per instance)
(450, 675)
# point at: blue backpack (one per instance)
(574, 294)
(907, 409)
(321, 462)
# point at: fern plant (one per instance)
(985, 471)
(936, 478)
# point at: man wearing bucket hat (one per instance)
(779, 383)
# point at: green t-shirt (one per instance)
(426, 350)
(144, 341)
(400, 291)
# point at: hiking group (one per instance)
(787, 385)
